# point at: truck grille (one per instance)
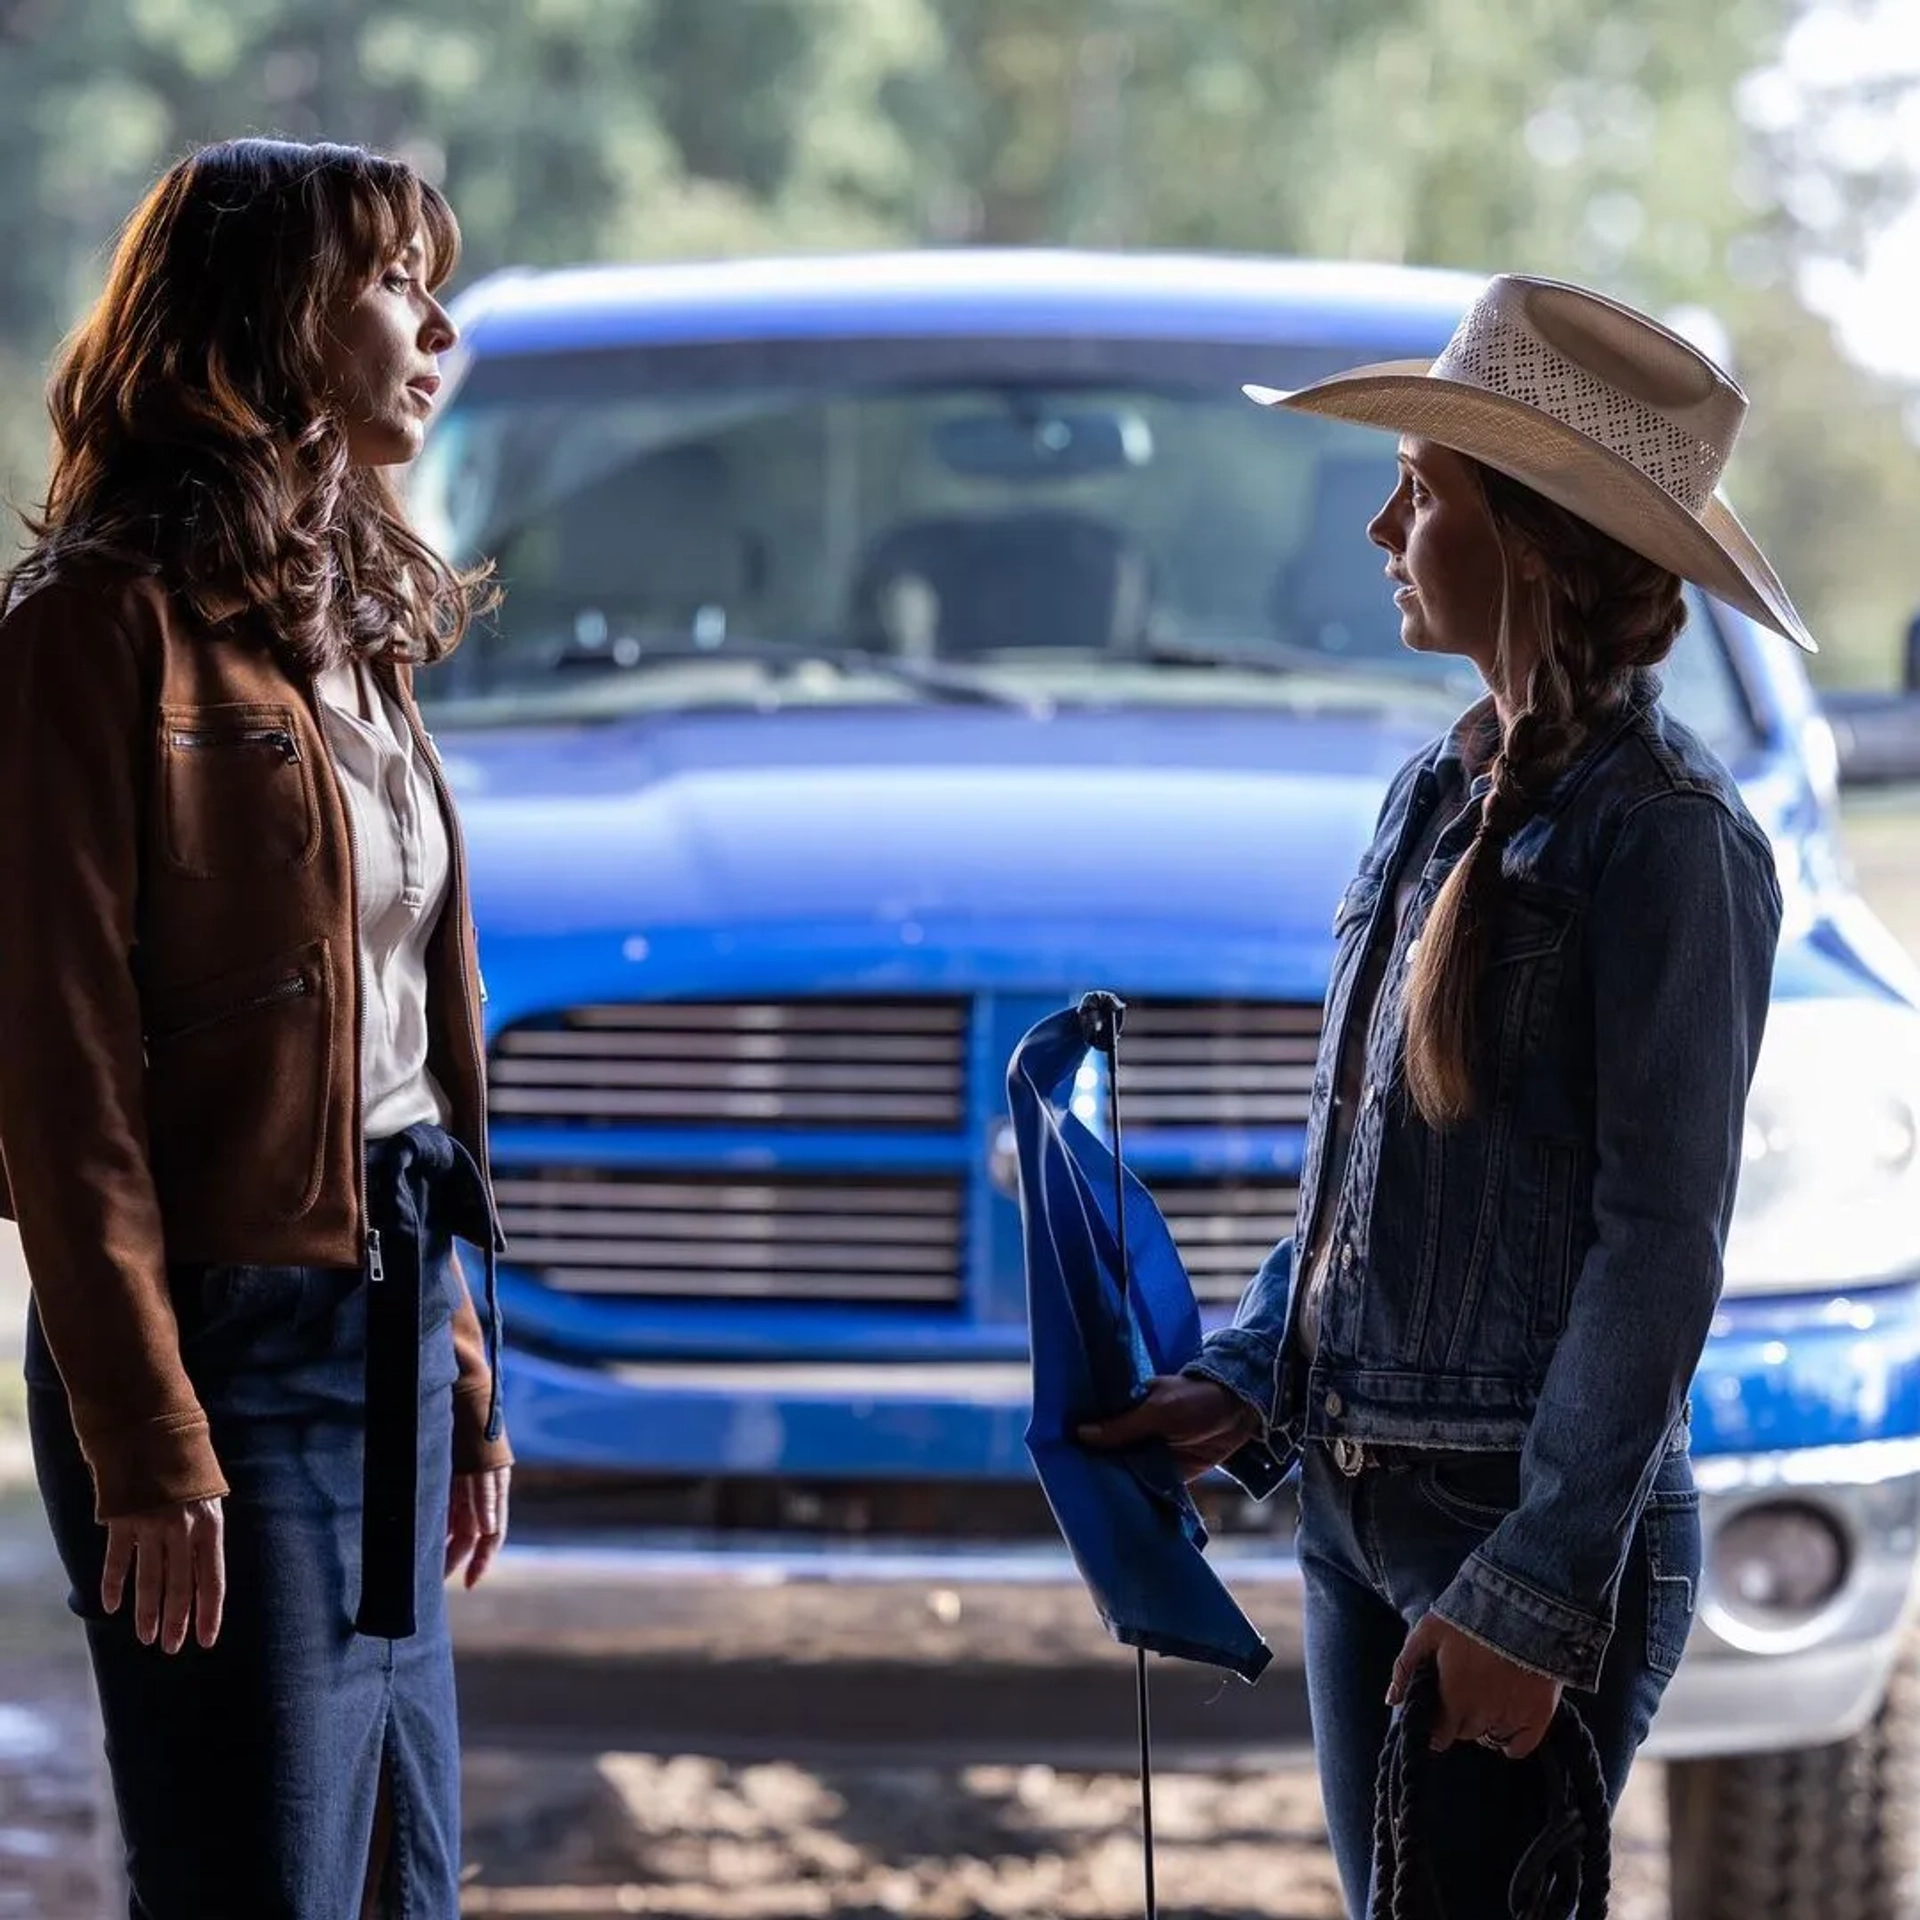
(1218, 1063)
(1225, 1228)
(674, 1235)
(866, 1065)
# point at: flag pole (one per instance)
(1101, 1017)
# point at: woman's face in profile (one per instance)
(380, 363)
(1443, 555)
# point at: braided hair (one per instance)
(1602, 617)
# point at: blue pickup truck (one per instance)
(893, 648)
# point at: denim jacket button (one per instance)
(1346, 1258)
(1335, 1406)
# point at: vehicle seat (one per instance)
(1332, 594)
(956, 585)
(654, 544)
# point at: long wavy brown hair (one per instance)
(193, 434)
(1604, 618)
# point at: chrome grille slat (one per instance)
(698, 1256)
(588, 1043)
(863, 1289)
(1252, 1075)
(741, 1075)
(647, 1190)
(1212, 1016)
(606, 1105)
(793, 1230)
(876, 1065)
(1217, 1110)
(946, 1017)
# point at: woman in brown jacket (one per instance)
(241, 1085)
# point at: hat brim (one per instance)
(1712, 548)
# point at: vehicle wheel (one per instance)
(1824, 1834)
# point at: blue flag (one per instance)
(1097, 1338)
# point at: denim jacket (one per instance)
(1541, 1277)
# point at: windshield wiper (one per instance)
(1279, 660)
(941, 681)
(1266, 656)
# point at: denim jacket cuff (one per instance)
(1245, 1364)
(1533, 1629)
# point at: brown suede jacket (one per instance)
(179, 1055)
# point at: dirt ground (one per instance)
(686, 1836)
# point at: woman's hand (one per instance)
(477, 1521)
(1200, 1420)
(177, 1556)
(1484, 1696)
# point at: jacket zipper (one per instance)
(295, 986)
(278, 738)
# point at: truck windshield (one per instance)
(1030, 523)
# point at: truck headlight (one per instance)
(1830, 1172)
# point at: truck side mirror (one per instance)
(1910, 660)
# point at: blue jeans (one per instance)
(247, 1775)
(1376, 1550)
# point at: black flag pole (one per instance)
(1101, 1017)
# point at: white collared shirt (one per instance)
(401, 868)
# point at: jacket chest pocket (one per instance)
(1524, 969)
(236, 791)
(1351, 918)
(1356, 904)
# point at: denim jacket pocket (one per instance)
(1671, 1526)
(1357, 902)
(1524, 967)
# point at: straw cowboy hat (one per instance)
(1596, 406)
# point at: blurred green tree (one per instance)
(1611, 147)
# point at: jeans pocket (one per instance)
(1472, 1490)
(1671, 1528)
(214, 1300)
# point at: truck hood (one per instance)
(971, 842)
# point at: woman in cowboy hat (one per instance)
(1551, 977)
